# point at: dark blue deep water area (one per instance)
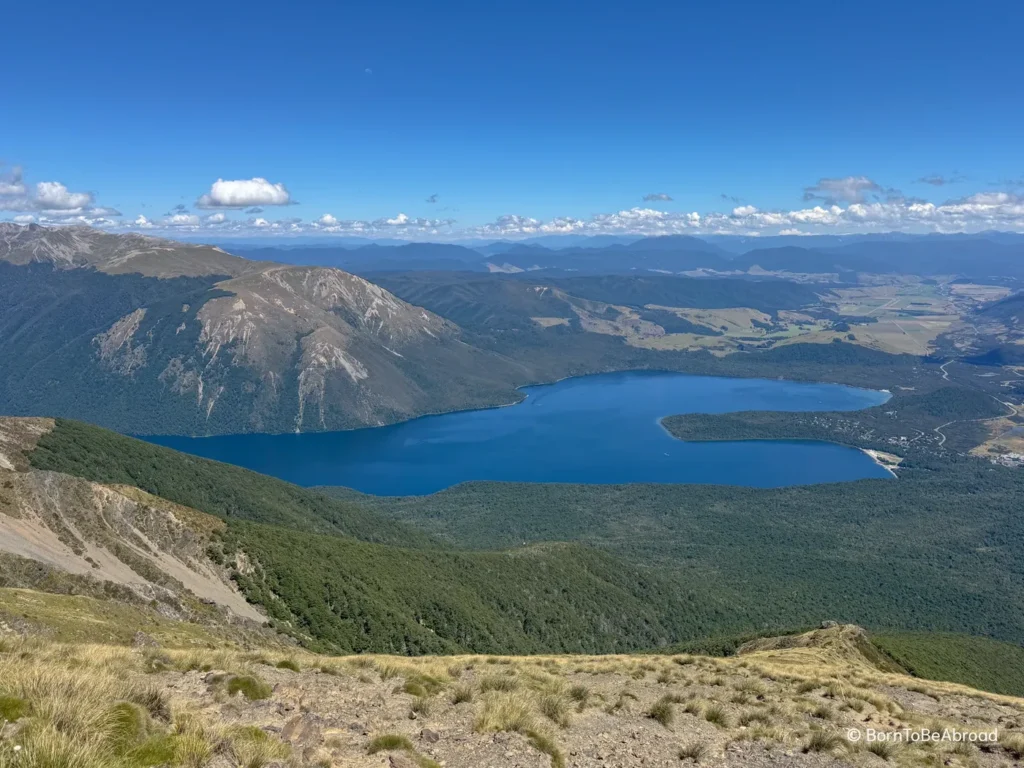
(593, 429)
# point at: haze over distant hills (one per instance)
(981, 255)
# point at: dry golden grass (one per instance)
(94, 705)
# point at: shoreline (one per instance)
(888, 461)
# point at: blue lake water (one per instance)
(592, 429)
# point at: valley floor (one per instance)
(795, 701)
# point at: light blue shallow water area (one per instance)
(603, 428)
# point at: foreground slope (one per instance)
(807, 700)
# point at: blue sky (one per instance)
(551, 115)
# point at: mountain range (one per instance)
(97, 324)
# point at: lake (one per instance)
(603, 428)
(592, 429)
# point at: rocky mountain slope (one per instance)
(101, 538)
(154, 336)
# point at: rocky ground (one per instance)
(804, 701)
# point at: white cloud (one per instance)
(47, 197)
(850, 189)
(182, 220)
(54, 196)
(26, 218)
(877, 210)
(242, 193)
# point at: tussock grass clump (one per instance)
(389, 742)
(544, 743)
(807, 686)
(716, 715)
(461, 694)
(754, 716)
(695, 750)
(289, 664)
(695, 707)
(1014, 744)
(752, 687)
(498, 683)
(253, 748)
(555, 708)
(579, 693)
(506, 711)
(420, 706)
(663, 711)
(250, 686)
(823, 712)
(823, 741)
(883, 749)
(514, 711)
(12, 708)
(963, 748)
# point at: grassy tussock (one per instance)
(96, 706)
(82, 712)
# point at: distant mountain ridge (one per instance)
(975, 256)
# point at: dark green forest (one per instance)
(497, 567)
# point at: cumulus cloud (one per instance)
(47, 197)
(854, 204)
(983, 211)
(653, 196)
(244, 193)
(850, 189)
